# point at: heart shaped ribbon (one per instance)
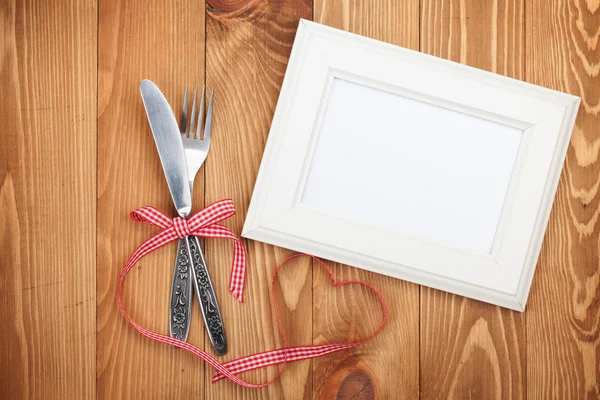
(289, 354)
(204, 224)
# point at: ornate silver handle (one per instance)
(181, 294)
(207, 298)
(190, 267)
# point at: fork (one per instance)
(196, 149)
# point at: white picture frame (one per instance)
(300, 199)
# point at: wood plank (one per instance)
(386, 367)
(563, 314)
(470, 349)
(47, 202)
(248, 45)
(162, 41)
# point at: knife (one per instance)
(172, 156)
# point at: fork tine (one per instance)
(209, 114)
(183, 120)
(193, 117)
(201, 115)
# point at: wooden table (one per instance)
(76, 155)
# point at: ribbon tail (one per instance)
(238, 265)
(279, 356)
(238, 271)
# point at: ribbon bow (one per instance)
(204, 223)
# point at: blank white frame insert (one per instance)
(411, 166)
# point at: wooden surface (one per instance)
(563, 318)
(470, 349)
(47, 199)
(166, 45)
(247, 47)
(76, 155)
(388, 366)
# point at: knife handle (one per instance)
(207, 298)
(181, 294)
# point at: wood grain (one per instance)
(47, 202)
(386, 367)
(563, 315)
(248, 44)
(76, 156)
(162, 41)
(470, 349)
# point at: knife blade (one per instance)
(168, 142)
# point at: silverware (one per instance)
(172, 155)
(196, 150)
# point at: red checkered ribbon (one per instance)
(233, 368)
(202, 224)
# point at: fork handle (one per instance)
(181, 294)
(211, 313)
